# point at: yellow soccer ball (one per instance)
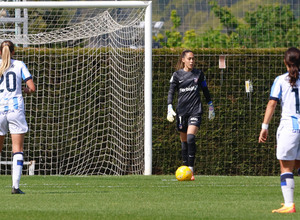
(183, 173)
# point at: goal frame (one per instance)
(147, 49)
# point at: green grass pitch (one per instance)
(144, 197)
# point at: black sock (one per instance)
(191, 149)
(184, 153)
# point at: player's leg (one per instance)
(193, 127)
(287, 181)
(297, 161)
(286, 152)
(184, 148)
(297, 166)
(181, 124)
(17, 127)
(287, 186)
(1, 142)
(191, 142)
(17, 145)
(3, 130)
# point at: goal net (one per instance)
(88, 64)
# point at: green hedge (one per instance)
(227, 145)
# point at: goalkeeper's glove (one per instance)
(211, 113)
(171, 113)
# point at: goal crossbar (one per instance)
(77, 4)
(147, 50)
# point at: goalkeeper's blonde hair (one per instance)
(7, 48)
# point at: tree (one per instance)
(268, 26)
(174, 37)
(226, 17)
(49, 19)
(209, 39)
(292, 38)
(190, 39)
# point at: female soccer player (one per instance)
(12, 112)
(188, 82)
(286, 88)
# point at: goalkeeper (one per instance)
(188, 82)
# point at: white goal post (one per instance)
(147, 84)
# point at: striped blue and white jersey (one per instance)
(11, 86)
(288, 96)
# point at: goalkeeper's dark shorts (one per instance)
(182, 122)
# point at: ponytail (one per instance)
(292, 61)
(6, 48)
(293, 74)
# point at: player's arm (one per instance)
(26, 76)
(211, 110)
(172, 89)
(30, 87)
(173, 86)
(275, 95)
(268, 116)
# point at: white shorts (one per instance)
(14, 122)
(288, 141)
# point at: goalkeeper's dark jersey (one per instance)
(188, 85)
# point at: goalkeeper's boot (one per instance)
(192, 178)
(285, 209)
(16, 191)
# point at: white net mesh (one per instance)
(87, 114)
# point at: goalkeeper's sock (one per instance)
(17, 169)
(191, 149)
(287, 188)
(184, 153)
